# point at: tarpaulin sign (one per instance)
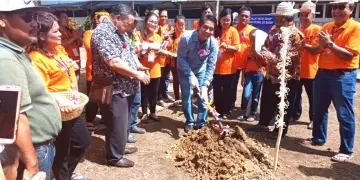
(263, 22)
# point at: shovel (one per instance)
(224, 130)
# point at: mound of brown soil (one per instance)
(204, 156)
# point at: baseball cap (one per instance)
(13, 5)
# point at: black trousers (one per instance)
(71, 145)
(309, 85)
(149, 95)
(234, 87)
(269, 102)
(222, 85)
(117, 117)
(91, 108)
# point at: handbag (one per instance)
(101, 90)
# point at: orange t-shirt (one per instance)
(244, 34)
(195, 24)
(53, 73)
(224, 64)
(73, 49)
(87, 45)
(154, 67)
(348, 37)
(164, 60)
(252, 62)
(309, 62)
(176, 41)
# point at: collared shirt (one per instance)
(309, 62)
(274, 43)
(194, 57)
(347, 36)
(244, 34)
(107, 44)
(36, 101)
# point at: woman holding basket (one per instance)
(57, 71)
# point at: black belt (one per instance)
(336, 70)
(45, 143)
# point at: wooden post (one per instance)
(217, 8)
(132, 4)
(180, 8)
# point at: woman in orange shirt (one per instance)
(70, 39)
(57, 71)
(179, 31)
(91, 108)
(150, 58)
(229, 44)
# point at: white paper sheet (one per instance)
(260, 37)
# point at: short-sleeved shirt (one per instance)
(253, 63)
(155, 66)
(308, 61)
(72, 49)
(195, 24)
(87, 45)
(164, 59)
(54, 69)
(347, 36)
(106, 44)
(225, 62)
(37, 103)
(244, 34)
(274, 43)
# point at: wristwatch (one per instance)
(330, 44)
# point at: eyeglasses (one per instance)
(340, 7)
(28, 17)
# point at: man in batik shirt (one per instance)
(284, 17)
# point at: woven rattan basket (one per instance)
(78, 108)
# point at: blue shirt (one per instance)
(194, 57)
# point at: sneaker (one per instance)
(131, 139)
(138, 130)
(188, 127)
(251, 118)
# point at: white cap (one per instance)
(13, 5)
(344, 1)
(285, 9)
(309, 6)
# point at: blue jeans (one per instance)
(45, 155)
(309, 86)
(187, 103)
(164, 82)
(135, 108)
(339, 87)
(252, 88)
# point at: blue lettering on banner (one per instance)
(263, 22)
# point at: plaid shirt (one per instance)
(274, 43)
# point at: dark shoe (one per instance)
(123, 163)
(157, 119)
(188, 127)
(131, 150)
(131, 139)
(200, 126)
(138, 130)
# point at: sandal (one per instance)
(157, 119)
(342, 157)
(91, 126)
(309, 141)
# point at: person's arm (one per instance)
(211, 62)
(13, 73)
(68, 42)
(182, 54)
(314, 50)
(235, 43)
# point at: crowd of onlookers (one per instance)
(129, 68)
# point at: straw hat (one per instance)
(309, 6)
(344, 1)
(285, 9)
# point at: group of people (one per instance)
(40, 53)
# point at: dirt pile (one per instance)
(203, 156)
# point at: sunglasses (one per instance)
(340, 7)
(28, 17)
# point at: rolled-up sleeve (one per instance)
(211, 62)
(183, 66)
(105, 45)
(13, 73)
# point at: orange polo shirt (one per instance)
(347, 36)
(244, 34)
(196, 24)
(87, 45)
(252, 62)
(73, 49)
(154, 67)
(176, 41)
(54, 75)
(309, 62)
(224, 64)
(164, 60)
